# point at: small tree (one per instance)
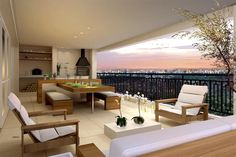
(215, 38)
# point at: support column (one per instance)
(54, 60)
(93, 62)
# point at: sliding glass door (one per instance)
(4, 71)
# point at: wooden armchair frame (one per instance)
(72, 138)
(181, 118)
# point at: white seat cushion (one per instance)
(65, 130)
(108, 93)
(143, 143)
(58, 96)
(68, 154)
(173, 109)
(48, 134)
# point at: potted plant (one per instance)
(45, 76)
(58, 69)
(120, 121)
(139, 119)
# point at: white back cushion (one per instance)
(24, 114)
(190, 98)
(14, 102)
(36, 133)
(194, 89)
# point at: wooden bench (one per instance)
(109, 99)
(59, 101)
(89, 150)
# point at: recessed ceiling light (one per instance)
(81, 33)
(88, 28)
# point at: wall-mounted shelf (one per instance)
(35, 59)
(35, 52)
(31, 76)
(32, 56)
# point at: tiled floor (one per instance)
(91, 126)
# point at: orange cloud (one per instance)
(158, 61)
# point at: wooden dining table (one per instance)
(86, 89)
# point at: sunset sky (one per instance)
(162, 53)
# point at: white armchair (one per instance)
(188, 106)
(44, 135)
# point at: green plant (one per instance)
(139, 119)
(58, 68)
(120, 121)
(49, 76)
(215, 38)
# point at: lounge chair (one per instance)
(44, 135)
(188, 106)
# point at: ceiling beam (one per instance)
(148, 36)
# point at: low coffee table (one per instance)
(113, 131)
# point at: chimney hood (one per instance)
(82, 61)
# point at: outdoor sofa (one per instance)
(155, 141)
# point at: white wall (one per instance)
(67, 58)
(9, 58)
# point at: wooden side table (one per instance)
(89, 150)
